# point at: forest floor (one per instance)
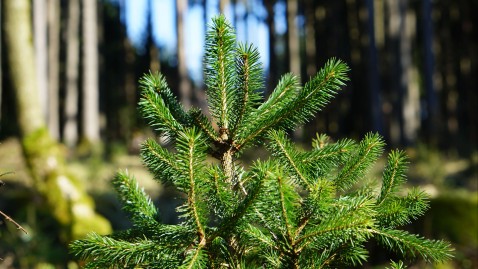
(96, 173)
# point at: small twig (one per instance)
(1, 175)
(6, 173)
(19, 227)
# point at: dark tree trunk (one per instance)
(272, 77)
(310, 48)
(428, 72)
(373, 73)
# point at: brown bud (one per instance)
(224, 134)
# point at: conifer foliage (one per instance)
(297, 209)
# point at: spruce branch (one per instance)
(174, 236)
(289, 203)
(393, 174)
(285, 92)
(319, 91)
(220, 75)
(160, 108)
(257, 177)
(290, 105)
(397, 265)
(322, 160)
(220, 198)
(191, 155)
(250, 82)
(158, 82)
(338, 255)
(196, 258)
(318, 204)
(411, 245)
(270, 112)
(351, 254)
(416, 202)
(282, 148)
(203, 123)
(261, 240)
(135, 201)
(117, 253)
(160, 162)
(369, 149)
(349, 220)
(398, 211)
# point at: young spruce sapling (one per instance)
(297, 209)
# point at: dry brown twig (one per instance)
(19, 227)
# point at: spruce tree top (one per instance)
(298, 209)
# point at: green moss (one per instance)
(39, 143)
(83, 226)
(73, 207)
(42, 156)
(455, 216)
(65, 195)
(56, 199)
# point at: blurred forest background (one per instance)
(68, 116)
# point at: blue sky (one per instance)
(164, 29)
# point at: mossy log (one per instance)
(63, 193)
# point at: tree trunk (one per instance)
(64, 195)
(223, 4)
(400, 28)
(234, 12)
(154, 63)
(272, 77)
(373, 74)
(395, 26)
(409, 79)
(21, 62)
(293, 37)
(184, 85)
(245, 19)
(70, 131)
(429, 70)
(41, 63)
(53, 68)
(293, 43)
(310, 49)
(91, 117)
